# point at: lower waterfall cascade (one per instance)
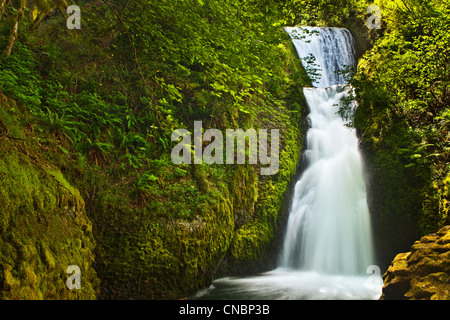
(329, 224)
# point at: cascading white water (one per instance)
(331, 48)
(328, 244)
(329, 224)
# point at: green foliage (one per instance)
(326, 13)
(19, 79)
(402, 87)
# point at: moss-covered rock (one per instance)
(157, 253)
(44, 230)
(423, 273)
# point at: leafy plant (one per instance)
(59, 126)
(98, 152)
(143, 188)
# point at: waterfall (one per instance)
(327, 249)
(329, 224)
(331, 50)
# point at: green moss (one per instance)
(42, 228)
(140, 256)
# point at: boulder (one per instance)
(423, 273)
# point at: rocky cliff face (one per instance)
(423, 273)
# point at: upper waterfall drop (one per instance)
(332, 49)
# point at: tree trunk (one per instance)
(15, 29)
(3, 4)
